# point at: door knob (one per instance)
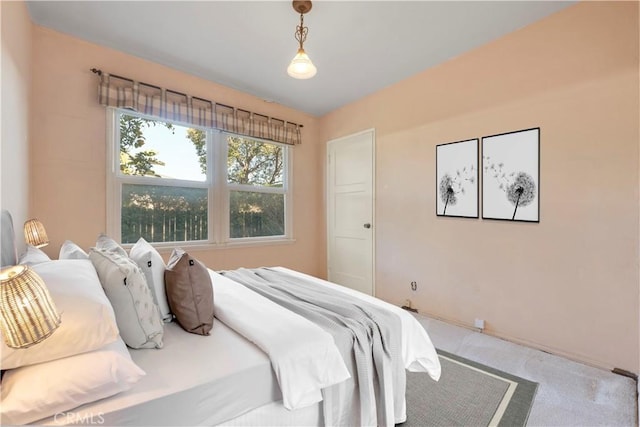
(367, 225)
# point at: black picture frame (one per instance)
(511, 176)
(457, 186)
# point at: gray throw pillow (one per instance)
(106, 242)
(137, 316)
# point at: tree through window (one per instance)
(166, 181)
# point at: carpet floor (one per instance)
(468, 394)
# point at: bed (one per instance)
(247, 371)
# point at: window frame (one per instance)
(219, 189)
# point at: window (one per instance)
(174, 183)
(255, 177)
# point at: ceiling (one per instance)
(358, 47)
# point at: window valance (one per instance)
(121, 92)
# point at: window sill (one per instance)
(167, 247)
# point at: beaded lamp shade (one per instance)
(27, 312)
(35, 234)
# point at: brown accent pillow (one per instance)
(189, 292)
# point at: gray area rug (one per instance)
(468, 394)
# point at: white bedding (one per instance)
(193, 380)
(226, 379)
(418, 351)
(303, 356)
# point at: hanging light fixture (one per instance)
(301, 66)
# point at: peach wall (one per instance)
(68, 179)
(16, 85)
(570, 283)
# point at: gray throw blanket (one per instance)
(368, 338)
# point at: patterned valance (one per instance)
(121, 92)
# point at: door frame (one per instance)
(373, 199)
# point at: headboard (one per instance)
(7, 235)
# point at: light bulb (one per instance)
(301, 66)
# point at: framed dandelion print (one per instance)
(511, 176)
(457, 179)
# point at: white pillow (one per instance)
(137, 315)
(153, 266)
(106, 242)
(33, 256)
(39, 391)
(88, 321)
(70, 250)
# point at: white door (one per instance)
(350, 219)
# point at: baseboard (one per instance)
(580, 358)
(625, 373)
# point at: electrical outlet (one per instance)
(414, 286)
(408, 306)
(479, 323)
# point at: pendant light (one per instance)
(301, 66)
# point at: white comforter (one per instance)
(303, 356)
(418, 351)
